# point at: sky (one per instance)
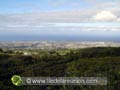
(59, 17)
(23, 6)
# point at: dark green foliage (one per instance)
(1, 50)
(95, 62)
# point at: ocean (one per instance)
(113, 38)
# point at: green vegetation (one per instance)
(88, 62)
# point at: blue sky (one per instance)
(60, 17)
(25, 6)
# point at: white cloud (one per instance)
(105, 16)
(118, 19)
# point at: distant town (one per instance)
(55, 44)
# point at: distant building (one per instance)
(26, 53)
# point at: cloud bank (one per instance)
(91, 12)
